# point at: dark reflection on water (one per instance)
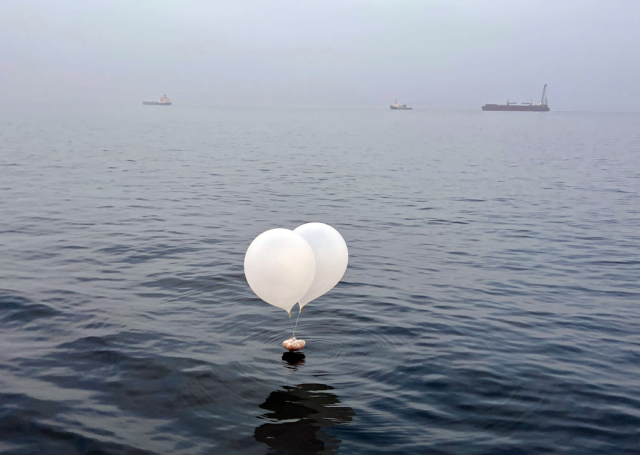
(293, 359)
(298, 416)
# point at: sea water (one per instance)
(491, 304)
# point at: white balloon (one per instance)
(331, 254)
(280, 266)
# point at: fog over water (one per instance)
(431, 54)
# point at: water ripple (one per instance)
(490, 304)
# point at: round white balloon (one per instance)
(331, 255)
(280, 266)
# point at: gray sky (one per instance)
(432, 54)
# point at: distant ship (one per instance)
(543, 106)
(163, 101)
(402, 107)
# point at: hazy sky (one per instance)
(440, 54)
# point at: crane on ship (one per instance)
(543, 100)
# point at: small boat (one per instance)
(163, 101)
(402, 107)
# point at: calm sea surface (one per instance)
(491, 304)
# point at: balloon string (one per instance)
(297, 319)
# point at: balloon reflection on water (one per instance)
(298, 416)
(293, 359)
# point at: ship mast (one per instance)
(543, 100)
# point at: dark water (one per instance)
(491, 304)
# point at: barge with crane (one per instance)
(543, 106)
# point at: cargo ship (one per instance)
(543, 106)
(163, 101)
(401, 107)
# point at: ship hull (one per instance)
(155, 103)
(515, 108)
(401, 108)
